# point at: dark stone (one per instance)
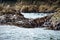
(8, 0)
(58, 26)
(47, 24)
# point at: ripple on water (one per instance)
(16, 33)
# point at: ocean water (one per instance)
(8, 32)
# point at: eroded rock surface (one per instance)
(30, 9)
(8, 17)
(16, 18)
(54, 22)
(33, 23)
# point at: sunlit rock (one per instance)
(47, 8)
(55, 20)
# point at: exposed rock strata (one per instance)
(54, 22)
(17, 19)
(32, 23)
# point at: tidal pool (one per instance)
(8, 32)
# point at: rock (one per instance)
(29, 9)
(57, 26)
(47, 8)
(55, 21)
(2, 19)
(9, 16)
(32, 23)
(40, 21)
(24, 23)
(47, 24)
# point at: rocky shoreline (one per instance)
(11, 15)
(14, 17)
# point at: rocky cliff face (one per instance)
(54, 22)
(8, 16)
(16, 18)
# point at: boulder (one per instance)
(57, 26)
(55, 20)
(10, 15)
(32, 23)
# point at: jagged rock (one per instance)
(55, 21)
(58, 26)
(32, 23)
(11, 16)
(47, 8)
(41, 21)
(29, 9)
(47, 24)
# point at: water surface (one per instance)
(34, 15)
(15, 33)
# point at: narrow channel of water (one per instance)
(34, 15)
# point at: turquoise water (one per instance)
(15, 33)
